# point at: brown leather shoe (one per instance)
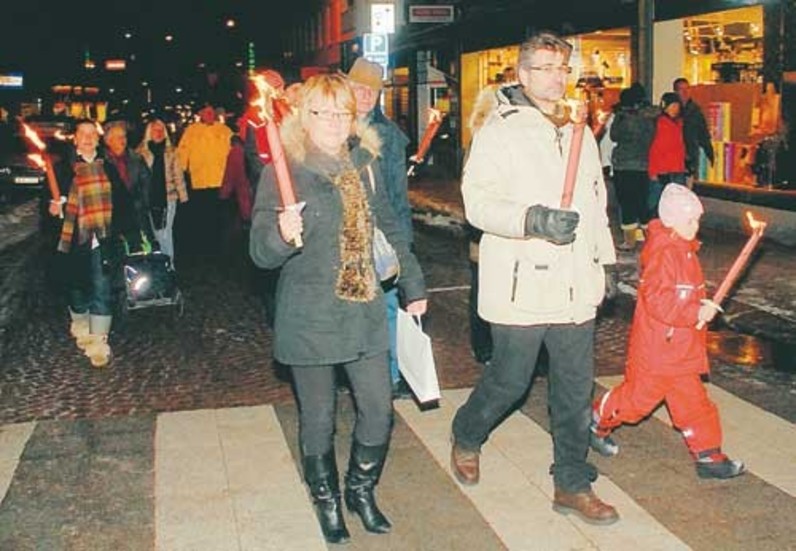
(466, 465)
(586, 505)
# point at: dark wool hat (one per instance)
(669, 98)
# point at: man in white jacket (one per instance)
(542, 270)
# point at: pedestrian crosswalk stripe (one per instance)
(225, 479)
(12, 441)
(759, 438)
(515, 492)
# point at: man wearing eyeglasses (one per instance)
(366, 80)
(541, 271)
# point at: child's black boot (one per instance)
(718, 465)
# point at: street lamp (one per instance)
(128, 35)
(169, 38)
(230, 23)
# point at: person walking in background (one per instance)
(99, 210)
(336, 313)
(236, 183)
(168, 183)
(542, 271)
(666, 163)
(632, 130)
(695, 129)
(202, 152)
(667, 354)
(130, 168)
(367, 80)
(480, 332)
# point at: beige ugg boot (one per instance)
(629, 233)
(98, 351)
(640, 235)
(80, 328)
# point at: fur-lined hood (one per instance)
(365, 139)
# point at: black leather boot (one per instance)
(320, 472)
(364, 470)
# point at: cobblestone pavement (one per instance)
(218, 353)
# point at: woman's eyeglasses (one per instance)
(335, 116)
(550, 69)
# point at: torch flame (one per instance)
(756, 225)
(37, 159)
(33, 137)
(434, 115)
(265, 91)
(59, 135)
(577, 109)
(100, 130)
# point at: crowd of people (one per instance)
(540, 270)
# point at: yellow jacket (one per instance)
(203, 153)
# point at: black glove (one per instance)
(611, 282)
(554, 225)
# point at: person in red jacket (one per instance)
(668, 352)
(667, 151)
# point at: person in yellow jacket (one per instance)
(202, 152)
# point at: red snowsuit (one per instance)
(667, 353)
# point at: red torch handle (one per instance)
(428, 136)
(52, 183)
(736, 268)
(283, 179)
(572, 165)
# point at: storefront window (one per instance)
(722, 58)
(724, 46)
(600, 60)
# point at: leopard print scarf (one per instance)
(356, 278)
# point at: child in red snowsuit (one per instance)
(668, 353)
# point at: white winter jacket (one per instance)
(518, 159)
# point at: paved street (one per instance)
(189, 440)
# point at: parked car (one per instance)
(18, 173)
(16, 170)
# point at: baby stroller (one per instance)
(150, 280)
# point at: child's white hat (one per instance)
(678, 205)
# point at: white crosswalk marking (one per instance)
(515, 492)
(765, 442)
(225, 479)
(12, 441)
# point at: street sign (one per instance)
(382, 18)
(437, 13)
(376, 48)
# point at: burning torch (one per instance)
(434, 121)
(43, 160)
(758, 227)
(265, 104)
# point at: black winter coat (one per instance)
(313, 326)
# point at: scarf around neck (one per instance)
(89, 205)
(356, 277)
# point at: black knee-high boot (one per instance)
(320, 472)
(364, 470)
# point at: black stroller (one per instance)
(150, 280)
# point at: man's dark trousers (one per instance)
(505, 382)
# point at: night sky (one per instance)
(46, 39)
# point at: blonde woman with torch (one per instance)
(336, 314)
